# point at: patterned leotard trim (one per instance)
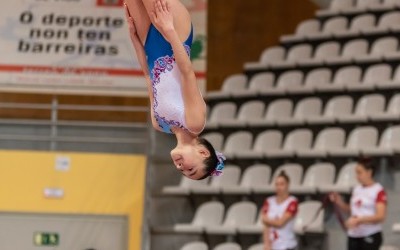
(167, 105)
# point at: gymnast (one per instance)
(161, 32)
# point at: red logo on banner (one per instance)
(110, 3)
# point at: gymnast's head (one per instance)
(198, 159)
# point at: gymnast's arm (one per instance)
(141, 55)
(195, 108)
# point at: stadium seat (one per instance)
(287, 80)
(207, 214)
(294, 172)
(228, 246)
(385, 47)
(345, 181)
(305, 220)
(392, 84)
(216, 139)
(344, 76)
(336, 6)
(268, 140)
(304, 110)
(388, 248)
(313, 79)
(396, 228)
(195, 246)
(366, 107)
(303, 30)
(358, 141)
(389, 143)
(336, 107)
(327, 139)
(184, 186)
(277, 110)
(259, 82)
(230, 177)
(268, 57)
(255, 175)
(387, 22)
(236, 142)
(255, 228)
(315, 176)
(331, 27)
(239, 214)
(295, 54)
(232, 82)
(374, 75)
(251, 110)
(221, 111)
(392, 111)
(258, 246)
(323, 52)
(362, 6)
(294, 141)
(391, 3)
(351, 50)
(358, 24)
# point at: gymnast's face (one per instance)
(189, 159)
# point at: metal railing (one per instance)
(106, 131)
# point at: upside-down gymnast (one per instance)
(161, 32)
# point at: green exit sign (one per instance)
(46, 239)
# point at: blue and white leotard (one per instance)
(168, 106)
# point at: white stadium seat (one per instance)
(277, 110)
(233, 82)
(305, 220)
(293, 170)
(228, 246)
(239, 214)
(315, 176)
(345, 181)
(336, 107)
(236, 142)
(230, 177)
(366, 107)
(207, 214)
(327, 139)
(358, 141)
(255, 175)
(195, 246)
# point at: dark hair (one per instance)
(212, 161)
(284, 176)
(367, 163)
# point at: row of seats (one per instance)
(256, 179)
(243, 218)
(281, 112)
(198, 245)
(329, 142)
(355, 6)
(319, 80)
(340, 27)
(329, 53)
(234, 246)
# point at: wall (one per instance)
(238, 31)
(96, 184)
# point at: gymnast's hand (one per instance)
(162, 18)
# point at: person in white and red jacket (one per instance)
(367, 209)
(278, 214)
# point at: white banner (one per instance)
(75, 46)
